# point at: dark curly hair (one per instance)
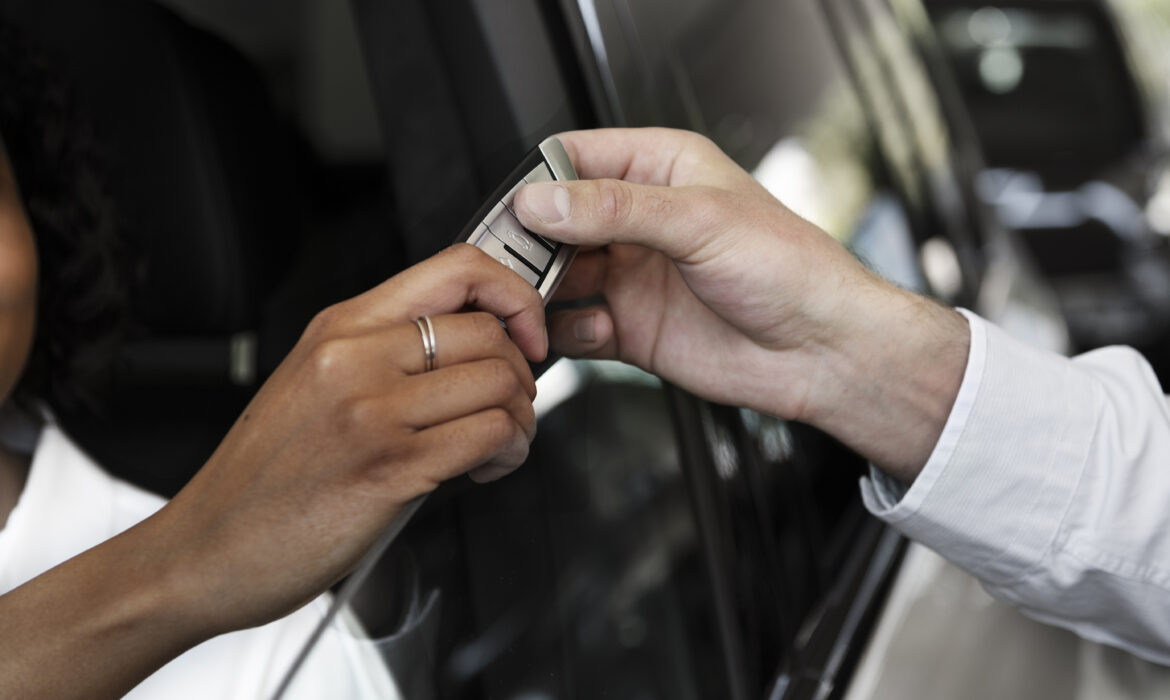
(82, 307)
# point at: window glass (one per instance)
(1024, 67)
(765, 81)
(579, 575)
(1145, 29)
(762, 79)
(653, 545)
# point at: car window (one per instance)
(1016, 63)
(581, 573)
(653, 544)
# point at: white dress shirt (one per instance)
(69, 505)
(1051, 484)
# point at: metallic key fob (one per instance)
(496, 230)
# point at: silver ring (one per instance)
(427, 329)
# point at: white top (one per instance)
(1051, 484)
(69, 505)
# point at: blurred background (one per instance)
(1069, 104)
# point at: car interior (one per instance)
(267, 159)
(649, 532)
(1070, 135)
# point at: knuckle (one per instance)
(327, 358)
(488, 329)
(614, 201)
(324, 321)
(698, 141)
(711, 205)
(692, 141)
(499, 429)
(400, 467)
(355, 416)
(659, 206)
(502, 376)
(463, 253)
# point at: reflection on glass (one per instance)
(1001, 69)
(771, 434)
(886, 115)
(821, 169)
(940, 265)
(580, 572)
(1158, 208)
(922, 108)
(555, 386)
(1145, 26)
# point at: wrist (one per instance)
(147, 596)
(888, 374)
(111, 612)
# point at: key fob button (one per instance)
(540, 241)
(495, 248)
(497, 230)
(508, 198)
(539, 174)
(508, 229)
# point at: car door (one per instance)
(654, 545)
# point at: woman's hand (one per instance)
(346, 431)
(350, 428)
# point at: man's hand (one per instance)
(711, 283)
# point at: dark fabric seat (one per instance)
(204, 184)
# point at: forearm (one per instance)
(93, 627)
(887, 377)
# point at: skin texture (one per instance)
(346, 431)
(706, 280)
(711, 283)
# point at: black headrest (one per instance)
(201, 174)
(194, 159)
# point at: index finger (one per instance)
(459, 277)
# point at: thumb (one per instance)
(676, 221)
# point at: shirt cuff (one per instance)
(994, 490)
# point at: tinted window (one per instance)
(1026, 68)
(652, 545)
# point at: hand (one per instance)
(713, 284)
(720, 277)
(349, 429)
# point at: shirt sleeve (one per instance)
(1051, 484)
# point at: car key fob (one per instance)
(496, 230)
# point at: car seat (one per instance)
(200, 176)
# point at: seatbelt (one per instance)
(349, 589)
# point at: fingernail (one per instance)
(583, 330)
(549, 202)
